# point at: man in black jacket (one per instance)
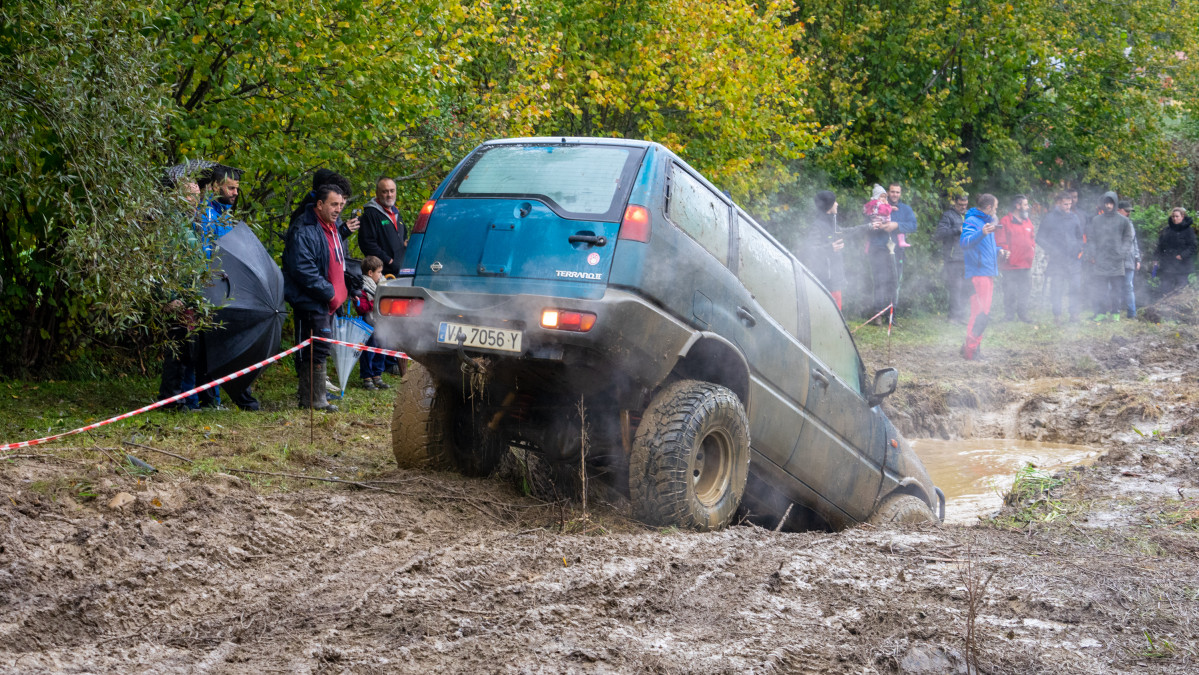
(949, 234)
(382, 233)
(314, 261)
(1060, 236)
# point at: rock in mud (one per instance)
(122, 500)
(922, 659)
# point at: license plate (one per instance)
(480, 336)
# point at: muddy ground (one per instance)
(438, 573)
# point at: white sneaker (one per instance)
(329, 386)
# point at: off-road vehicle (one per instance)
(549, 281)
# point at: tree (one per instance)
(85, 232)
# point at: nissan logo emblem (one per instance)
(436, 267)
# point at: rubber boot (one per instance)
(319, 399)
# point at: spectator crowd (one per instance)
(320, 281)
(1091, 257)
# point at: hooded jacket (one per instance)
(1176, 240)
(1060, 237)
(818, 255)
(306, 283)
(377, 236)
(978, 247)
(1109, 241)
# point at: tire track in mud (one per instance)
(233, 581)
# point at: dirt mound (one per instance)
(1181, 306)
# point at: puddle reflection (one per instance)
(975, 472)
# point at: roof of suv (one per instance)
(573, 139)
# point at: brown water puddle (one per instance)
(974, 473)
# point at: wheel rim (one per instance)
(713, 468)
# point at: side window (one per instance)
(697, 211)
(769, 274)
(831, 342)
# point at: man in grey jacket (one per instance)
(1108, 245)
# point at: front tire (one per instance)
(902, 509)
(690, 458)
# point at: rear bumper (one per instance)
(632, 340)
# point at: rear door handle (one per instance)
(745, 315)
(593, 239)
(820, 377)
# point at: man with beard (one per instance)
(1109, 242)
(1061, 238)
(949, 234)
(314, 262)
(381, 231)
(216, 216)
(886, 255)
(1017, 247)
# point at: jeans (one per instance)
(371, 364)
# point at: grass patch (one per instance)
(1034, 498)
(354, 443)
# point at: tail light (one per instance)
(635, 224)
(422, 217)
(561, 319)
(401, 306)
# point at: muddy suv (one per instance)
(599, 298)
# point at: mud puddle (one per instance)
(974, 473)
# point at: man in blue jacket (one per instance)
(886, 255)
(314, 262)
(982, 266)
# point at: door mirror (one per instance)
(886, 381)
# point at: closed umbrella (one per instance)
(348, 329)
(248, 295)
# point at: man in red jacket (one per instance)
(1017, 246)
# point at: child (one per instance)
(878, 210)
(370, 364)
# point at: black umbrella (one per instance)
(248, 294)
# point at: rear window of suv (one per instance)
(576, 181)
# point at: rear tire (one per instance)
(422, 423)
(902, 509)
(690, 457)
(431, 429)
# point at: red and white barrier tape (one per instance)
(157, 404)
(363, 348)
(890, 319)
(215, 383)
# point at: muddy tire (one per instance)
(431, 429)
(690, 457)
(422, 423)
(902, 509)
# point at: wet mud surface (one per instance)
(448, 574)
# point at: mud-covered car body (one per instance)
(672, 281)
